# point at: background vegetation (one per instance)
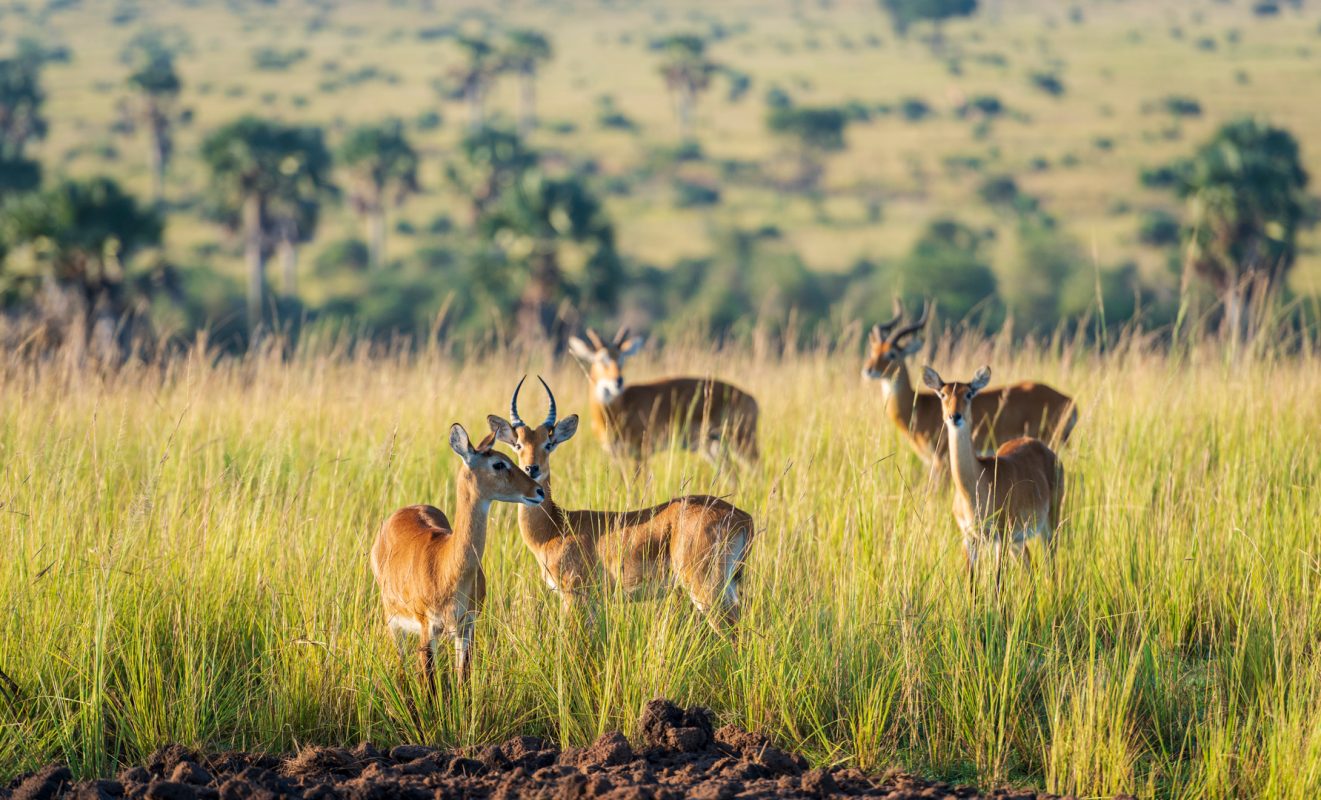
(413, 166)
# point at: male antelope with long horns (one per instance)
(999, 414)
(701, 414)
(698, 542)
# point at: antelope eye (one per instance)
(497, 466)
(968, 395)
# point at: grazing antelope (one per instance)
(700, 413)
(998, 414)
(430, 572)
(698, 542)
(1006, 498)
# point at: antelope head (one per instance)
(494, 475)
(533, 444)
(889, 345)
(605, 361)
(956, 398)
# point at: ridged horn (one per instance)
(515, 420)
(550, 415)
(913, 328)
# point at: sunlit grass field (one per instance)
(186, 560)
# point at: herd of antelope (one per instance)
(429, 569)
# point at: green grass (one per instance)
(186, 560)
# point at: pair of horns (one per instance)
(882, 330)
(599, 343)
(517, 421)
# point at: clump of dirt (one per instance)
(682, 757)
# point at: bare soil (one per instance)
(682, 756)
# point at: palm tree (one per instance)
(492, 159)
(535, 220)
(254, 165)
(21, 124)
(687, 73)
(384, 169)
(524, 52)
(157, 85)
(1246, 193)
(83, 234)
(480, 66)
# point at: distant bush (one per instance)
(914, 109)
(778, 98)
(427, 120)
(1266, 8)
(984, 105)
(1159, 229)
(440, 225)
(345, 254)
(1048, 82)
(271, 59)
(689, 194)
(1162, 177)
(1181, 106)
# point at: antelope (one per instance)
(1008, 497)
(702, 414)
(998, 414)
(699, 543)
(429, 571)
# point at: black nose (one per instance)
(534, 470)
(619, 382)
(541, 493)
(957, 418)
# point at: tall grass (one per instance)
(186, 560)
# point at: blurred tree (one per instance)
(21, 124)
(525, 51)
(904, 13)
(383, 166)
(1031, 284)
(947, 264)
(687, 72)
(83, 233)
(537, 221)
(490, 160)
(1247, 201)
(157, 85)
(813, 133)
(480, 66)
(254, 164)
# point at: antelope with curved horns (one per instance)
(429, 571)
(1006, 498)
(698, 542)
(702, 414)
(998, 414)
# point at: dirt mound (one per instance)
(683, 757)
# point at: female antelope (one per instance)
(702, 414)
(697, 542)
(998, 414)
(430, 572)
(1009, 497)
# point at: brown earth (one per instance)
(683, 757)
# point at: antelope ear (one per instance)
(932, 379)
(503, 431)
(460, 443)
(581, 349)
(980, 380)
(913, 345)
(630, 346)
(485, 445)
(564, 429)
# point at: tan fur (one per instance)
(429, 572)
(700, 414)
(696, 542)
(999, 413)
(1004, 499)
